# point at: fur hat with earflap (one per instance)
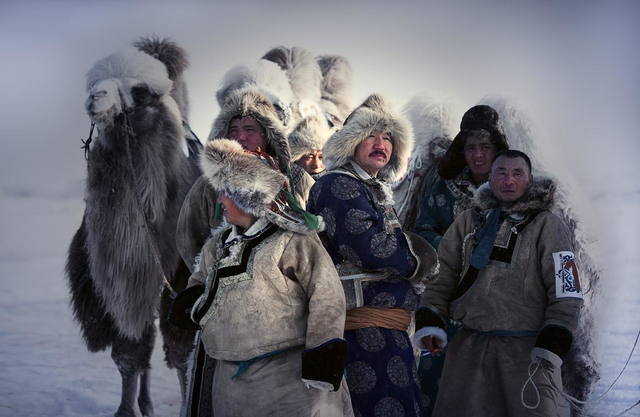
(374, 114)
(252, 181)
(308, 136)
(477, 121)
(252, 103)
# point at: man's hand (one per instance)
(433, 344)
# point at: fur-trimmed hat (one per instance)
(253, 184)
(265, 77)
(476, 119)
(374, 114)
(251, 103)
(308, 136)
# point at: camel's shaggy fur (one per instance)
(114, 279)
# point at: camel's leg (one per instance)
(144, 399)
(182, 377)
(132, 357)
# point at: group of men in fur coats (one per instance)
(277, 327)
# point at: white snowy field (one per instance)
(47, 371)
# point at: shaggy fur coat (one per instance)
(113, 277)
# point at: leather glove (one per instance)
(180, 312)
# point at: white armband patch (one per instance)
(566, 271)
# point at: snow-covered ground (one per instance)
(47, 371)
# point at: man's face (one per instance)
(479, 152)
(249, 133)
(374, 152)
(509, 178)
(234, 214)
(312, 162)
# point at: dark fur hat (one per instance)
(375, 113)
(477, 118)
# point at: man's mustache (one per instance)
(379, 152)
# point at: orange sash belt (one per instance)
(389, 318)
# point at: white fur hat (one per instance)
(308, 136)
(374, 114)
(265, 77)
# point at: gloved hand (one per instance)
(323, 366)
(546, 358)
(180, 311)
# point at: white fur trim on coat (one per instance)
(437, 332)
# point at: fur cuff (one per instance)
(323, 366)
(440, 334)
(555, 339)
(427, 259)
(180, 312)
(321, 385)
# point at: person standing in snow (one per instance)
(509, 275)
(267, 297)
(382, 268)
(464, 167)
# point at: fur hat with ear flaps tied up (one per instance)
(374, 114)
(476, 120)
(254, 184)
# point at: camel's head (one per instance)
(124, 80)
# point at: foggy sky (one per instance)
(573, 65)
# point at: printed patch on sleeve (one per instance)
(566, 270)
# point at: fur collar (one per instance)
(252, 103)
(539, 196)
(374, 114)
